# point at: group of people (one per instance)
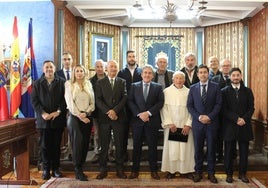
(211, 106)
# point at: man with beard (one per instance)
(131, 73)
(237, 110)
(190, 69)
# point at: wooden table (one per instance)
(14, 142)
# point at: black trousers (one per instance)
(79, 133)
(105, 136)
(50, 140)
(229, 149)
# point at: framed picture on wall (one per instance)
(101, 48)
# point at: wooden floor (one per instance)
(260, 176)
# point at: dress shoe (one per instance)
(80, 175)
(57, 173)
(133, 175)
(101, 175)
(155, 175)
(243, 178)
(170, 175)
(212, 178)
(197, 177)
(229, 179)
(46, 175)
(187, 175)
(95, 159)
(120, 174)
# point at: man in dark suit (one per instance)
(238, 108)
(190, 69)
(66, 70)
(145, 101)
(131, 73)
(111, 98)
(223, 80)
(204, 104)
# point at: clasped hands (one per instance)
(50, 116)
(112, 115)
(240, 121)
(204, 119)
(144, 116)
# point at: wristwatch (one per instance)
(59, 111)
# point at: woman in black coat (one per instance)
(49, 105)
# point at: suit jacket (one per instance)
(187, 80)
(108, 98)
(213, 104)
(49, 99)
(220, 80)
(61, 74)
(168, 77)
(234, 108)
(153, 104)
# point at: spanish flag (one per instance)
(4, 114)
(15, 85)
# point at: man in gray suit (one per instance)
(111, 97)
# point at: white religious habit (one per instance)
(177, 156)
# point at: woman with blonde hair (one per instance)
(80, 101)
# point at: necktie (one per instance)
(226, 77)
(112, 83)
(204, 94)
(236, 92)
(68, 75)
(145, 91)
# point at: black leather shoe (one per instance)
(212, 178)
(243, 178)
(133, 175)
(155, 175)
(229, 179)
(121, 174)
(197, 177)
(57, 173)
(46, 175)
(170, 175)
(80, 175)
(187, 175)
(101, 175)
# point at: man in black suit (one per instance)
(223, 80)
(204, 104)
(66, 70)
(111, 98)
(190, 69)
(238, 108)
(145, 101)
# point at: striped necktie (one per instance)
(204, 94)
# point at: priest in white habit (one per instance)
(178, 154)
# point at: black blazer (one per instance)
(153, 104)
(61, 74)
(108, 98)
(49, 99)
(232, 109)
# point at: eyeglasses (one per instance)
(66, 59)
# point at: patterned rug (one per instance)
(147, 182)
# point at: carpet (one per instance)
(147, 182)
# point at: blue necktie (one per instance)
(145, 91)
(204, 94)
(68, 75)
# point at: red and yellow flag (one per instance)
(15, 85)
(4, 114)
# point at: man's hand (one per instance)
(112, 115)
(144, 116)
(240, 121)
(46, 116)
(204, 119)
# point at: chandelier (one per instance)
(170, 12)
